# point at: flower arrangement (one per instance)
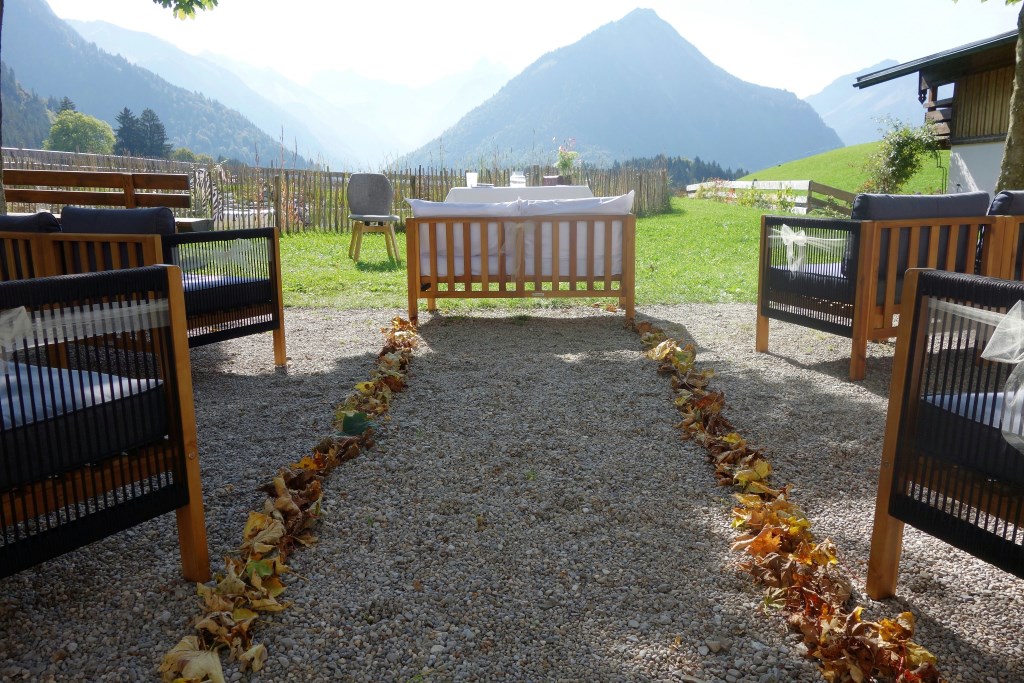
(567, 157)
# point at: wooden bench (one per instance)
(46, 190)
(477, 251)
(845, 276)
(97, 423)
(232, 278)
(947, 468)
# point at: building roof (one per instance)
(945, 67)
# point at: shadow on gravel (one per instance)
(823, 434)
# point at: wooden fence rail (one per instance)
(803, 195)
(299, 200)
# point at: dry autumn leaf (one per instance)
(253, 658)
(783, 556)
(189, 660)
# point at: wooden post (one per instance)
(412, 263)
(864, 298)
(278, 186)
(280, 354)
(128, 183)
(887, 532)
(761, 332)
(628, 283)
(195, 556)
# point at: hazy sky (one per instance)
(798, 45)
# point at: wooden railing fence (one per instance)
(299, 200)
(798, 196)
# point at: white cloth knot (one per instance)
(797, 242)
(1006, 345)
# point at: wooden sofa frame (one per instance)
(211, 319)
(947, 470)
(102, 478)
(869, 308)
(515, 282)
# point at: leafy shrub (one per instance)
(899, 157)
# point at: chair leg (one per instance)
(858, 358)
(195, 554)
(393, 242)
(359, 242)
(280, 356)
(388, 233)
(761, 334)
(887, 532)
(352, 242)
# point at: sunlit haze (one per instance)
(797, 45)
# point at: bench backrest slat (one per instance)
(104, 188)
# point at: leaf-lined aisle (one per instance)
(252, 580)
(800, 575)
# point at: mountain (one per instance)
(26, 120)
(353, 122)
(203, 75)
(857, 114)
(632, 88)
(51, 59)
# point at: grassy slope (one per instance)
(701, 251)
(843, 168)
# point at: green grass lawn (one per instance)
(702, 251)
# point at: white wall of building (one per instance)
(974, 167)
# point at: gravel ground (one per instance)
(529, 514)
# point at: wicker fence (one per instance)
(245, 196)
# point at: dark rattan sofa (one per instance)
(947, 468)
(232, 278)
(845, 276)
(98, 427)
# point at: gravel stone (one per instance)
(529, 513)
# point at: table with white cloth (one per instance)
(483, 195)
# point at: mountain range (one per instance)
(858, 115)
(635, 88)
(348, 120)
(632, 88)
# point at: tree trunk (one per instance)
(1011, 172)
(3, 198)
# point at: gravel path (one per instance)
(529, 514)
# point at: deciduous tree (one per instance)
(73, 131)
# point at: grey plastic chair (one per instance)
(369, 199)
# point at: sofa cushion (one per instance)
(44, 221)
(1007, 203)
(880, 207)
(888, 207)
(158, 220)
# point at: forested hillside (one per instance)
(102, 85)
(25, 118)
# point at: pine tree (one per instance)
(128, 142)
(153, 136)
(67, 105)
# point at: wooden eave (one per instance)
(945, 67)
